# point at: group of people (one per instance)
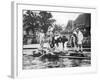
(61, 41)
(77, 40)
(52, 41)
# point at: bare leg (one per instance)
(80, 47)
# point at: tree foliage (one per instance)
(37, 20)
(57, 28)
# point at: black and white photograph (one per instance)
(50, 40)
(55, 39)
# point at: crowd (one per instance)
(57, 40)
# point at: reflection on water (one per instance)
(30, 62)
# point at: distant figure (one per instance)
(80, 39)
(41, 36)
(52, 43)
(74, 40)
(57, 40)
(50, 37)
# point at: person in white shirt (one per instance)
(80, 39)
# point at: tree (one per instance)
(34, 21)
(57, 28)
(46, 20)
(70, 26)
(30, 21)
(41, 20)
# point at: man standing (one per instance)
(75, 39)
(80, 39)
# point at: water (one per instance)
(30, 62)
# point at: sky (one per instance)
(63, 18)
